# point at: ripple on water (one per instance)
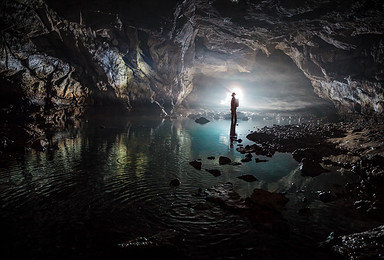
(116, 182)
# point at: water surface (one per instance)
(108, 182)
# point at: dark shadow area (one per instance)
(98, 13)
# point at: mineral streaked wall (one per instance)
(52, 62)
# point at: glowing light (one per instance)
(239, 95)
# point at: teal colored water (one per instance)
(108, 182)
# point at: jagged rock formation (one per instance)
(337, 44)
(65, 56)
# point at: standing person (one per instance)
(234, 105)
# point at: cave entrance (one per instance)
(272, 84)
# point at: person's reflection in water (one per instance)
(232, 133)
(234, 105)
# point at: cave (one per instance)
(269, 83)
(192, 129)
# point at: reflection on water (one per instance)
(108, 182)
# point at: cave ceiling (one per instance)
(155, 53)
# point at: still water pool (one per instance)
(108, 182)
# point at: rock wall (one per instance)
(49, 63)
(66, 57)
(337, 44)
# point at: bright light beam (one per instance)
(239, 95)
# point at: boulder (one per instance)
(202, 120)
(196, 164)
(248, 178)
(224, 160)
(311, 168)
(262, 208)
(175, 182)
(214, 172)
(269, 200)
(246, 159)
(225, 196)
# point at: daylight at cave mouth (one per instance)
(191, 129)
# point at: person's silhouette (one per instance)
(234, 105)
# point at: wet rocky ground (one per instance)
(356, 146)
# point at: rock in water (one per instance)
(270, 200)
(196, 164)
(248, 178)
(202, 120)
(214, 172)
(224, 160)
(225, 196)
(262, 208)
(175, 182)
(246, 159)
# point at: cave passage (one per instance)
(272, 84)
(116, 140)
